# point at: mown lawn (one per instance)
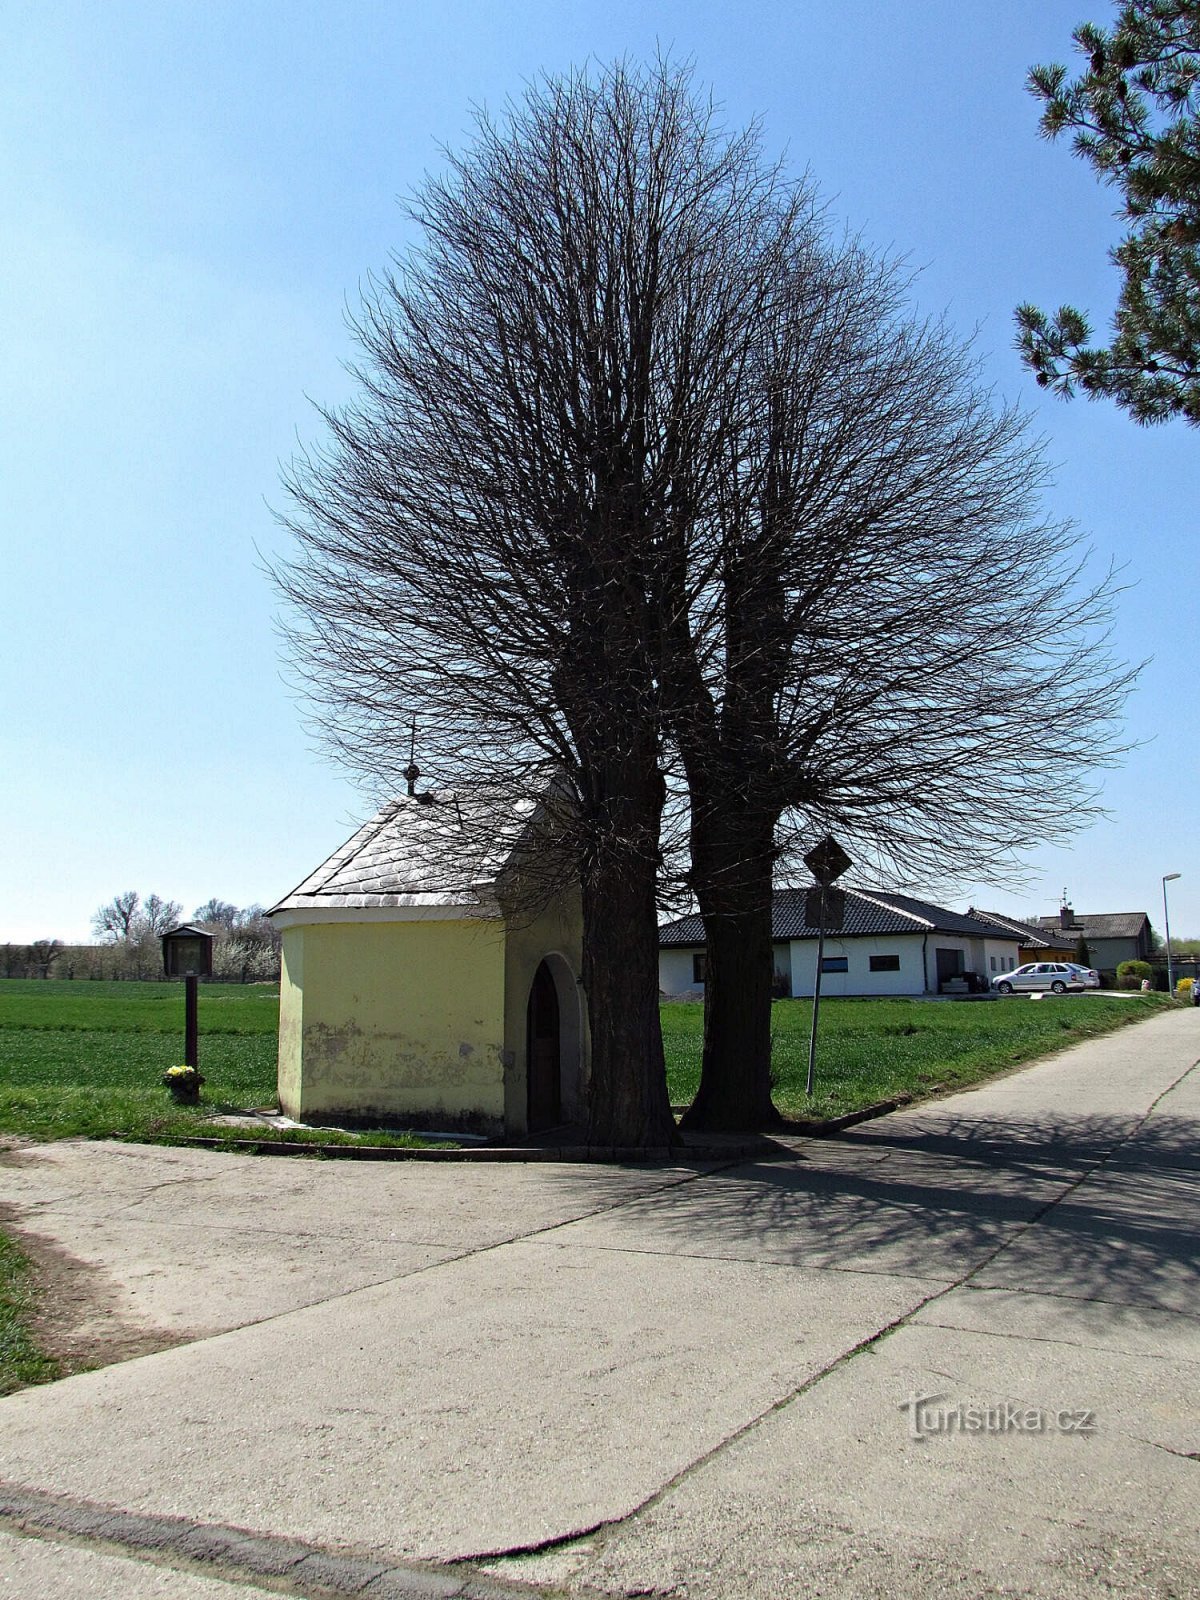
(872, 1050)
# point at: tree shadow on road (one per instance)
(1089, 1207)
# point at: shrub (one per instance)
(1135, 969)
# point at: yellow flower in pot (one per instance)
(184, 1084)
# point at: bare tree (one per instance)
(216, 913)
(133, 927)
(885, 637)
(640, 453)
(43, 953)
(479, 542)
(157, 915)
(116, 919)
(246, 944)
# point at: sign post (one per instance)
(826, 861)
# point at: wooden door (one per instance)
(542, 1052)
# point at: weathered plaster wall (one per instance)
(556, 932)
(291, 1019)
(394, 1018)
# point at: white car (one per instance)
(1039, 976)
(1089, 975)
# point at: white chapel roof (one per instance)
(439, 850)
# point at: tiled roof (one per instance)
(868, 912)
(440, 851)
(1034, 937)
(1100, 925)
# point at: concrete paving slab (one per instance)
(1072, 1109)
(194, 1242)
(1134, 1330)
(180, 1280)
(503, 1400)
(897, 1211)
(477, 1207)
(1125, 1235)
(833, 1495)
(36, 1569)
(1068, 1142)
(1168, 1137)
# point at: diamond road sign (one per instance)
(827, 860)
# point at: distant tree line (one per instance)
(129, 929)
(36, 960)
(247, 942)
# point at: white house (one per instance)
(888, 944)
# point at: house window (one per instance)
(699, 963)
(885, 963)
(993, 961)
(835, 964)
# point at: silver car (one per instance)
(1038, 976)
(1089, 976)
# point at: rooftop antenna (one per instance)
(412, 771)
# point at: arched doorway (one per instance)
(543, 1053)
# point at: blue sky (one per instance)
(193, 194)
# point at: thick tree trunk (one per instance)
(732, 862)
(628, 1100)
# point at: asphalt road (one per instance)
(955, 1349)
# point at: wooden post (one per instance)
(191, 1031)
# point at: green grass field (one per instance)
(85, 1059)
(872, 1050)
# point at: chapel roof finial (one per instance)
(412, 771)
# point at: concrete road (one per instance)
(956, 1347)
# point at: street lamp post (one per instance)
(1169, 878)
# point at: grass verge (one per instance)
(21, 1362)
